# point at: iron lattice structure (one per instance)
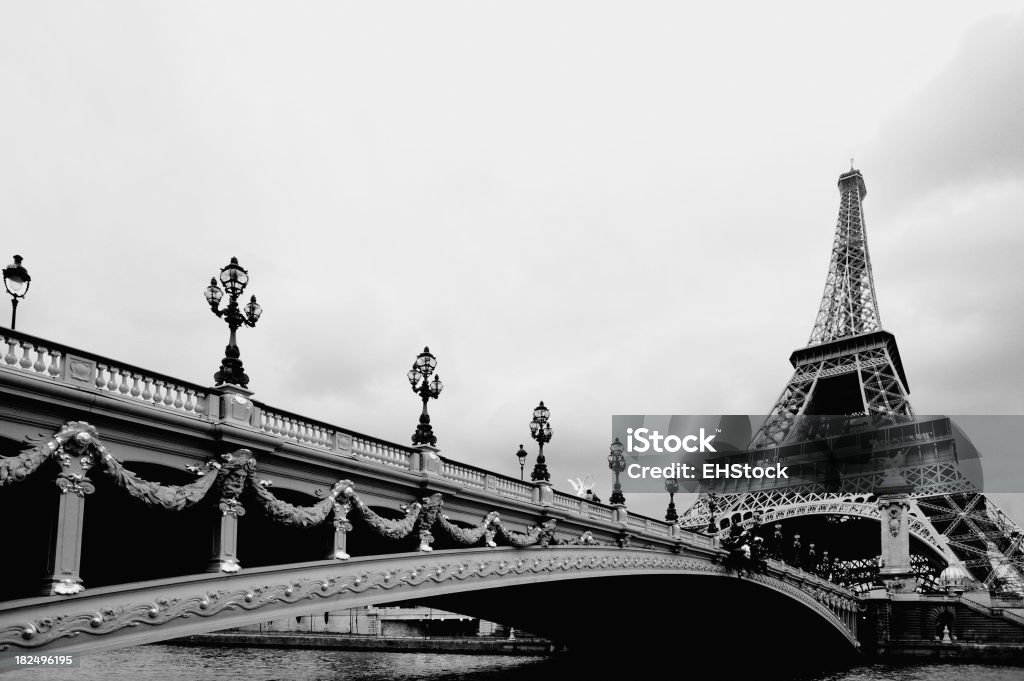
(852, 367)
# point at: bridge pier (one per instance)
(894, 503)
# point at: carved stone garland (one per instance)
(76, 446)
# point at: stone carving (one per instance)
(585, 539)
(430, 510)
(288, 514)
(894, 511)
(534, 535)
(17, 468)
(390, 529)
(77, 448)
(235, 472)
(471, 535)
(170, 497)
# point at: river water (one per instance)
(178, 663)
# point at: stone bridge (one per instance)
(140, 508)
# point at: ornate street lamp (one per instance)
(234, 278)
(540, 430)
(16, 281)
(419, 378)
(521, 455)
(671, 486)
(617, 462)
(712, 508)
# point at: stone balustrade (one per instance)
(41, 360)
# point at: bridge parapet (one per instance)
(155, 419)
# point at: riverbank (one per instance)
(945, 651)
(463, 646)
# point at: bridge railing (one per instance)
(63, 364)
(55, 363)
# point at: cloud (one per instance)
(966, 126)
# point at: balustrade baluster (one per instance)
(100, 368)
(112, 379)
(157, 396)
(26, 361)
(169, 396)
(200, 404)
(178, 404)
(147, 392)
(189, 400)
(54, 367)
(123, 388)
(10, 357)
(135, 391)
(39, 366)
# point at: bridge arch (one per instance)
(147, 612)
(919, 529)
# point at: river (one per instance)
(178, 663)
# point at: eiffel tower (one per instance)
(851, 371)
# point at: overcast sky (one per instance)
(611, 207)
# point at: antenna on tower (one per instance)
(851, 163)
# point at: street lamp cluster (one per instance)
(540, 430)
(427, 389)
(234, 279)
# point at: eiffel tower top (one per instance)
(849, 306)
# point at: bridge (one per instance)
(141, 507)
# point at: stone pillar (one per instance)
(543, 493)
(622, 515)
(64, 557)
(224, 553)
(75, 453)
(894, 505)
(341, 528)
(425, 460)
(235, 406)
(235, 470)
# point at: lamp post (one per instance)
(671, 486)
(540, 430)
(712, 528)
(521, 455)
(16, 281)
(616, 462)
(419, 378)
(234, 278)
